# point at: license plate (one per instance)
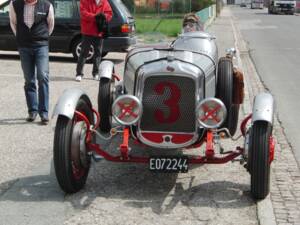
(168, 164)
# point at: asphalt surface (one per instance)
(274, 45)
(114, 193)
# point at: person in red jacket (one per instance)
(94, 16)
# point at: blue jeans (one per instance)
(36, 59)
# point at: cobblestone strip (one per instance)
(285, 176)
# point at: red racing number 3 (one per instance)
(172, 102)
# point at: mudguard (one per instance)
(106, 69)
(263, 108)
(67, 102)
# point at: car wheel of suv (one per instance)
(76, 49)
(225, 93)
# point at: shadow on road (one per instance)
(16, 121)
(134, 186)
(262, 13)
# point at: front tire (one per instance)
(259, 159)
(105, 100)
(71, 161)
(225, 93)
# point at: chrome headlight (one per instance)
(211, 113)
(127, 109)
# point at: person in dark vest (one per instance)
(32, 21)
(94, 17)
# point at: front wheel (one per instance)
(259, 159)
(71, 161)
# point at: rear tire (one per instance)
(76, 47)
(225, 93)
(70, 178)
(258, 160)
(105, 100)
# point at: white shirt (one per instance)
(29, 16)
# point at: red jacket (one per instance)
(88, 10)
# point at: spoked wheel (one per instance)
(71, 161)
(105, 100)
(225, 93)
(259, 159)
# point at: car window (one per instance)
(63, 9)
(4, 9)
(123, 8)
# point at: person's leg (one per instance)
(42, 69)
(27, 63)
(85, 47)
(97, 57)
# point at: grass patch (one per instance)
(168, 27)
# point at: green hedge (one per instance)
(169, 27)
(176, 6)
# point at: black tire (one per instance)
(65, 171)
(225, 93)
(105, 100)
(75, 52)
(258, 159)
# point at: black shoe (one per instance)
(44, 120)
(31, 117)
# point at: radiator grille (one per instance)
(168, 104)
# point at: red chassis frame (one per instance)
(209, 157)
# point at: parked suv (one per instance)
(66, 36)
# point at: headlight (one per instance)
(211, 113)
(127, 109)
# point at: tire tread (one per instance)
(260, 166)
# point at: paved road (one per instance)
(274, 42)
(114, 194)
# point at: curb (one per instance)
(265, 212)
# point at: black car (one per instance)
(66, 36)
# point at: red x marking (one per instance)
(127, 109)
(209, 113)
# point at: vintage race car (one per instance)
(178, 97)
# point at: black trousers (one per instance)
(87, 41)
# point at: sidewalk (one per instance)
(283, 204)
